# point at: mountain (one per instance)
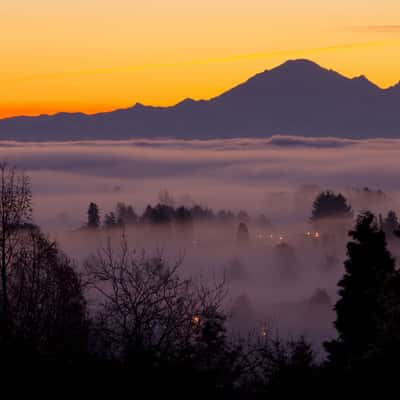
(297, 98)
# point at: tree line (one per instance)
(164, 214)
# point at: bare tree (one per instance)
(15, 212)
(143, 304)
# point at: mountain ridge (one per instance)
(298, 97)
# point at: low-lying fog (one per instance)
(269, 287)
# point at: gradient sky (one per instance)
(95, 55)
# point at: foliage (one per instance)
(330, 205)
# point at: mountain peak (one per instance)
(299, 65)
(299, 62)
(299, 97)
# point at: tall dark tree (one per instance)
(93, 216)
(368, 309)
(330, 205)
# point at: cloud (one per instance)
(235, 173)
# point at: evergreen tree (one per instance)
(368, 309)
(93, 216)
(330, 205)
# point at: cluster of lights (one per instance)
(315, 235)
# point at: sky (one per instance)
(98, 55)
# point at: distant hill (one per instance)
(297, 98)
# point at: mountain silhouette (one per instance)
(296, 98)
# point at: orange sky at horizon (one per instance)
(97, 55)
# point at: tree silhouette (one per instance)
(93, 216)
(149, 315)
(201, 213)
(110, 220)
(160, 215)
(330, 205)
(15, 213)
(284, 368)
(368, 310)
(125, 214)
(47, 306)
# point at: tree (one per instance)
(15, 213)
(283, 368)
(368, 309)
(155, 321)
(330, 205)
(110, 221)
(47, 306)
(160, 215)
(93, 216)
(145, 304)
(125, 214)
(200, 213)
